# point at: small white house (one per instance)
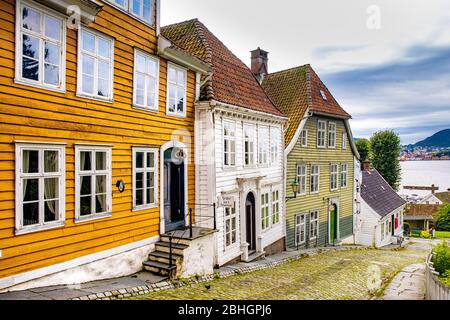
(380, 221)
(430, 199)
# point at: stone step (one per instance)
(177, 249)
(160, 268)
(163, 257)
(185, 241)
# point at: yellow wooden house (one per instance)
(94, 106)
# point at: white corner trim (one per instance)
(297, 134)
(31, 275)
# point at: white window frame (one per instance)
(300, 225)
(145, 170)
(321, 132)
(93, 173)
(332, 135)
(228, 154)
(343, 174)
(314, 175)
(146, 76)
(265, 210)
(382, 231)
(304, 138)
(96, 58)
(61, 174)
(263, 146)
(248, 127)
(274, 145)
(19, 47)
(334, 176)
(316, 220)
(177, 69)
(229, 218)
(344, 141)
(276, 207)
(302, 178)
(128, 9)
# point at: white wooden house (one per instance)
(380, 221)
(239, 144)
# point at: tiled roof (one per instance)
(425, 211)
(378, 194)
(443, 196)
(296, 89)
(232, 82)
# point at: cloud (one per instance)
(410, 95)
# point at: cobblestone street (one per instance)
(328, 275)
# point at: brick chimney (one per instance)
(366, 165)
(260, 61)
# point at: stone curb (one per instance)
(179, 283)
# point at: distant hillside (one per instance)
(440, 139)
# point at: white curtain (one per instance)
(101, 188)
(50, 190)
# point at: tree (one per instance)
(385, 146)
(442, 220)
(363, 146)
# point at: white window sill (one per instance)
(93, 217)
(33, 229)
(142, 208)
(176, 115)
(36, 85)
(96, 98)
(141, 108)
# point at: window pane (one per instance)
(88, 42)
(30, 46)
(180, 102)
(150, 195)
(152, 67)
(30, 190)
(180, 78)
(150, 160)
(139, 180)
(85, 206)
(30, 161)
(104, 48)
(147, 10)
(140, 63)
(51, 188)
(100, 160)
(86, 187)
(51, 210)
(139, 160)
(140, 197)
(88, 65)
(88, 84)
(51, 53)
(100, 203)
(30, 213)
(150, 179)
(30, 69)
(52, 28)
(136, 7)
(51, 74)
(50, 161)
(86, 161)
(31, 19)
(100, 185)
(103, 88)
(172, 75)
(151, 90)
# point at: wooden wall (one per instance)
(31, 114)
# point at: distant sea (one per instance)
(425, 173)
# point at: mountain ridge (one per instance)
(440, 139)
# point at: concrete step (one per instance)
(185, 241)
(255, 256)
(164, 257)
(177, 249)
(160, 268)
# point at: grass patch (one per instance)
(443, 234)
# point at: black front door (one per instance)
(250, 221)
(174, 202)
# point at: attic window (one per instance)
(323, 95)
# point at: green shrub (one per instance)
(406, 228)
(445, 278)
(425, 235)
(442, 220)
(441, 258)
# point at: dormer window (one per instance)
(142, 9)
(324, 97)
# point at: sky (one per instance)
(386, 62)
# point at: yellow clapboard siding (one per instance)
(32, 114)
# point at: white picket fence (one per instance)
(436, 290)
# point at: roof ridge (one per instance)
(289, 69)
(309, 86)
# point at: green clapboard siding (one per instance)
(303, 204)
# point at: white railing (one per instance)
(436, 290)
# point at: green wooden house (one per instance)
(320, 159)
